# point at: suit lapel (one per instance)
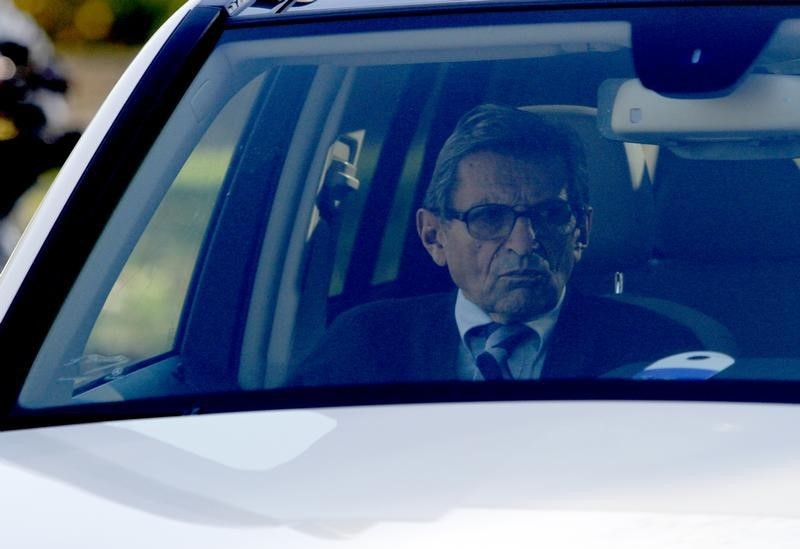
(571, 343)
(437, 357)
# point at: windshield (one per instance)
(522, 199)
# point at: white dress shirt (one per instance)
(526, 360)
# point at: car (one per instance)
(250, 192)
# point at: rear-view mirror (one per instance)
(760, 118)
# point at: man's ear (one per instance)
(430, 230)
(584, 228)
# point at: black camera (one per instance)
(27, 148)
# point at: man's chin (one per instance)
(525, 304)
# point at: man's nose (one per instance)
(522, 239)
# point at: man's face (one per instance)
(523, 275)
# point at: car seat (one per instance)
(726, 243)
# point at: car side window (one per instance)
(141, 313)
(140, 316)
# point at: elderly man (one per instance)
(507, 214)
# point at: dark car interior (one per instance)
(312, 213)
(628, 230)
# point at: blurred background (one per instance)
(58, 61)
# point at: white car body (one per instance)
(551, 474)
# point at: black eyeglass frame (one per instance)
(577, 212)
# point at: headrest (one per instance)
(727, 210)
(620, 192)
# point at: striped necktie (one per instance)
(500, 341)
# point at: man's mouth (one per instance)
(525, 274)
(532, 269)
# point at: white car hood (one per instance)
(515, 474)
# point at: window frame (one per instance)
(98, 192)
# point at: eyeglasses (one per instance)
(493, 221)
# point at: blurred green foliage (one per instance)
(80, 22)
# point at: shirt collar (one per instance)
(469, 315)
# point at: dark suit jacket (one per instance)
(416, 339)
